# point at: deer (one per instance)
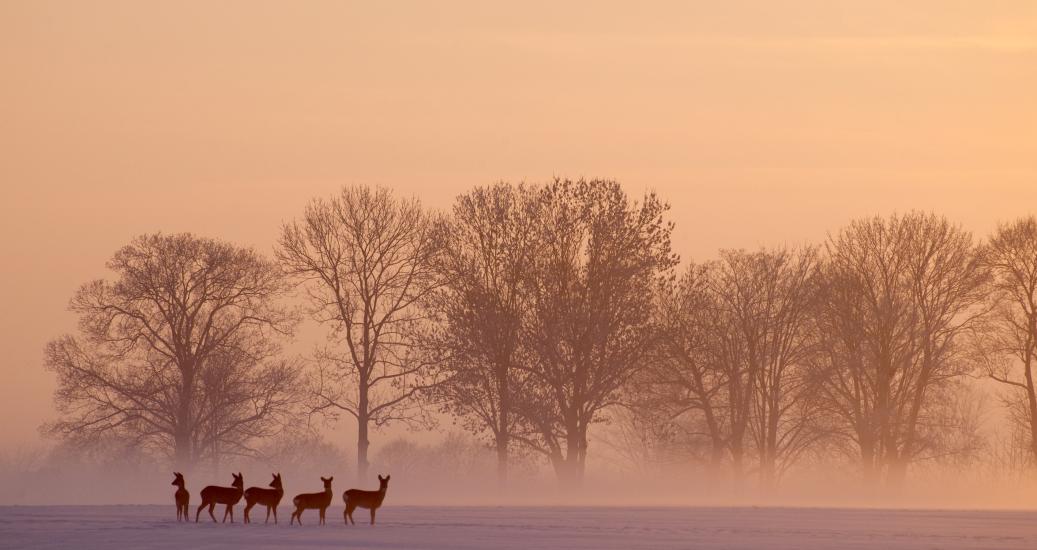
(320, 501)
(182, 497)
(214, 494)
(267, 497)
(355, 498)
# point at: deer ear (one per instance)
(387, 478)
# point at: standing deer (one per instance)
(182, 497)
(320, 501)
(267, 497)
(213, 495)
(364, 499)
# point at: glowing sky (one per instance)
(761, 122)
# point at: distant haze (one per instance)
(760, 122)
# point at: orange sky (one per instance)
(760, 124)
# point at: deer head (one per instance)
(178, 479)
(327, 482)
(239, 480)
(276, 483)
(383, 482)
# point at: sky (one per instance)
(762, 123)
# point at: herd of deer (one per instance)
(213, 495)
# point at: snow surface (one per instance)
(155, 527)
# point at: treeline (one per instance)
(532, 313)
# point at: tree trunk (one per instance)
(362, 445)
(568, 468)
(502, 460)
(503, 435)
(868, 470)
(363, 419)
(182, 452)
(1031, 398)
(716, 456)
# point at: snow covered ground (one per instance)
(154, 527)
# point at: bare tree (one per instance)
(736, 339)
(486, 252)
(245, 401)
(591, 312)
(1011, 347)
(367, 259)
(183, 313)
(768, 297)
(686, 383)
(899, 296)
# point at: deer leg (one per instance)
(212, 506)
(275, 514)
(345, 516)
(351, 508)
(200, 506)
(248, 506)
(372, 516)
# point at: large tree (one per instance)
(367, 259)
(487, 248)
(178, 353)
(686, 385)
(1011, 347)
(771, 294)
(600, 258)
(898, 296)
(733, 362)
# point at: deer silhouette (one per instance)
(355, 498)
(182, 497)
(214, 494)
(320, 501)
(267, 497)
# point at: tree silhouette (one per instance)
(367, 261)
(1010, 347)
(487, 251)
(898, 297)
(599, 259)
(178, 353)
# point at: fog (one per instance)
(434, 476)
